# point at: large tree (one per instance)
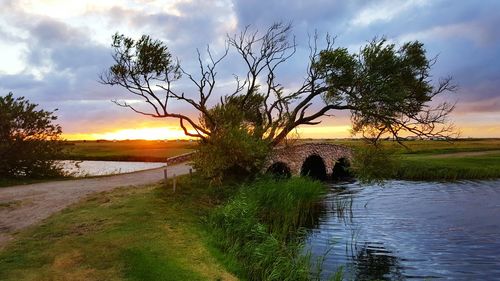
(387, 89)
(29, 139)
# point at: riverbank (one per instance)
(126, 150)
(153, 233)
(146, 233)
(458, 160)
(434, 160)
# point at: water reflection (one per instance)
(100, 168)
(373, 261)
(410, 230)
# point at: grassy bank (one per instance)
(261, 227)
(458, 160)
(146, 233)
(441, 160)
(133, 150)
(152, 233)
(450, 166)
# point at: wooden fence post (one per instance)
(165, 175)
(175, 179)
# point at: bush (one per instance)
(375, 163)
(29, 140)
(235, 148)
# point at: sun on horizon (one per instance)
(172, 133)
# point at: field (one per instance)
(442, 160)
(131, 150)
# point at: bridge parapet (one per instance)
(295, 156)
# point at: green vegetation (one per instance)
(152, 233)
(451, 166)
(235, 147)
(441, 160)
(147, 233)
(261, 228)
(29, 140)
(133, 150)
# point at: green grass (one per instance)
(147, 233)
(137, 150)
(261, 227)
(152, 233)
(438, 160)
(430, 167)
(441, 160)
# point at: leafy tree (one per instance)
(387, 89)
(235, 146)
(29, 139)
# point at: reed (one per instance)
(261, 227)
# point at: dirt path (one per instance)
(24, 205)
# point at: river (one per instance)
(100, 168)
(410, 231)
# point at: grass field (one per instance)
(133, 150)
(441, 160)
(147, 233)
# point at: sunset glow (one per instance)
(160, 133)
(171, 133)
(52, 52)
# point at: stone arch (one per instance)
(341, 169)
(279, 169)
(314, 166)
(294, 156)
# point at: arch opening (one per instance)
(279, 169)
(314, 167)
(341, 170)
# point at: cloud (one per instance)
(53, 52)
(385, 11)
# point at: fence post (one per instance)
(165, 175)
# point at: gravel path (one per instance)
(24, 205)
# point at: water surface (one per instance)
(411, 231)
(99, 168)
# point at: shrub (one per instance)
(29, 139)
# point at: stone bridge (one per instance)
(318, 160)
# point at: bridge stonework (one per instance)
(294, 156)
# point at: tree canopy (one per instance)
(387, 89)
(29, 139)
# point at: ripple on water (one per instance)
(411, 230)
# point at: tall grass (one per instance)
(261, 227)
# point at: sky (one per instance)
(52, 52)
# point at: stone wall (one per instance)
(294, 156)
